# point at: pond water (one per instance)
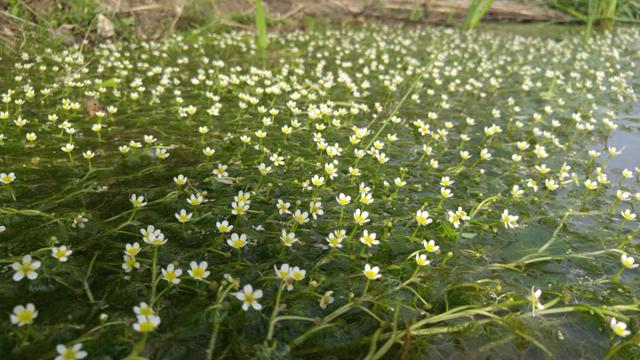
(627, 138)
(355, 192)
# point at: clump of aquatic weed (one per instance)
(368, 192)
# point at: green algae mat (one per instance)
(368, 192)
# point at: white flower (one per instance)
(619, 328)
(25, 268)
(628, 262)
(623, 195)
(143, 309)
(421, 260)
(516, 192)
(23, 315)
(334, 240)
(301, 217)
(224, 226)
(195, 199)
(130, 263)
(317, 181)
(239, 208)
(171, 274)
(590, 184)
(249, 297)
(132, 249)
(183, 216)
(6, 179)
(68, 148)
(70, 353)
(199, 271)
(315, 208)
(445, 193)
(372, 273)
(399, 182)
(326, 299)
(430, 246)
(422, 217)
(628, 215)
(284, 272)
(137, 201)
(153, 236)
(298, 274)
(509, 221)
(237, 241)
(551, 184)
(146, 324)
(162, 153)
(61, 253)
(288, 239)
(534, 298)
(343, 199)
(361, 217)
(180, 180)
(88, 154)
(369, 239)
(283, 207)
(208, 152)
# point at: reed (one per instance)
(477, 9)
(606, 12)
(261, 26)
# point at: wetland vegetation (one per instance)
(361, 191)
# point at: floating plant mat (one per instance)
(370, 192)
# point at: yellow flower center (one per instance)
(25, 316)
(370, 274)
(198, 272)
(133, 252)
(237, 243)
(248, 298)
(70, 354)
(146, 311)
(147, 326)
(26, 267)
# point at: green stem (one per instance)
(615, 278)
(154, 274)
(274, 313)
(366, 287)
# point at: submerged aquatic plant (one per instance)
(369, 192)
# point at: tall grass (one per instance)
(261, 26)
(606, 12)
(591, 14)
(602, 13)
(476, 11)
(416, 13)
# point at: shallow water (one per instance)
(627, 138)
(488, 262)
